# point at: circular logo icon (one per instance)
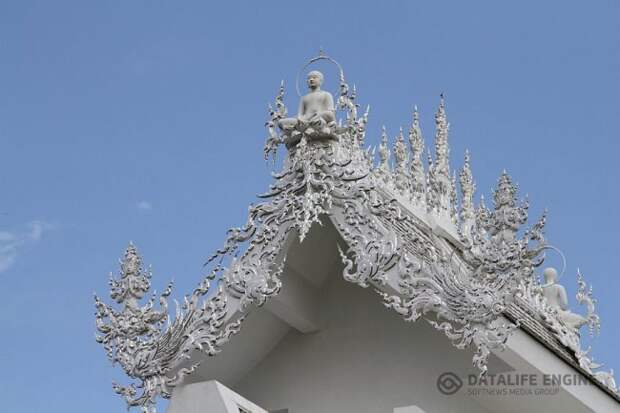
(449, 383)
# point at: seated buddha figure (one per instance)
(556, 297)
(316, 116)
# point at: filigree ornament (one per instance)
(468, 291)
(402, 181)
(566, 325)
(587, 363)
(467, 214)
(275, 116)
(418, 177)
(584, 297)
(384, 171)
(440, 183)
(148, 346)
(460, 286)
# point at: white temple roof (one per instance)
(398, 227)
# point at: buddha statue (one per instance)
(556, 297)
(316, 117)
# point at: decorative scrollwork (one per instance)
(148, 346)
(404, 236)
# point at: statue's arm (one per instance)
(331, 116)
(330, 102)
(563, 298)
(302, 108)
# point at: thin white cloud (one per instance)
(8, 253)
(144, 205)
(36, 230)
(11, 243)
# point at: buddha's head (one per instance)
(315, 79)
(551, 275)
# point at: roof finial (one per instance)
(400, 150)
(383, 171)
(416, 169)
(401, 175)
(439, 173)
(384, 150)
(442, 149)
(468, 187)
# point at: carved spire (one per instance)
(418, 178)
(400, 150)
(401, 175)
(280, 107)
(453, 200)
(430, 198)
(275, 115)
(133, 282)
(504, 222)
(383, 170)
(468, 187)
(152, 349)
(442, 149)
(439, 174)
(384, 150)
(506, 191)
(585, 297)
(361, 123)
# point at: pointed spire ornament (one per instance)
(400, 150)
(585, 297)
(384, 151)
(383, 170)
(151, 348)
(361, 123)
(275, 115)
(506, 191)
(401, 175)
(439, 174)
(453, 200)
(416, 171)
(442, 149)
(506, 219)
(467, 214)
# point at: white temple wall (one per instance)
(366, 359)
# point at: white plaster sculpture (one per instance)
(405, 235)
(146, 343)
(316, 116)
(556, 297)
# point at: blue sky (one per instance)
(144, 121)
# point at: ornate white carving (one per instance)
(402, 181)
(147, 345)
(275, 116)
(566, 325)
(418, 177)
(440, 183)
(584, 297)
(390, 219)
(468, 290)
(384, 171)
(467, 214)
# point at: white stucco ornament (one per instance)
(404, 233)
(147, 344)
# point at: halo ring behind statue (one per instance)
(563, 257)
(321, 56)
